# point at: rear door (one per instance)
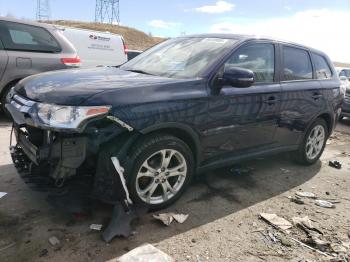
(3, 61)
(246, 118)
(302, 96)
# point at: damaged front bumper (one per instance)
(50, 159)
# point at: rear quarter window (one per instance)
(322, 69)
(297, 64)
(22, 37)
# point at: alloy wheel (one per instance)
(315, 142)
(161, 176)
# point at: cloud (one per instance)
(162, 24)
(219, 7)
(322, 29)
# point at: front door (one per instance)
(245, 118)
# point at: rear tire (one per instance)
(313, 143)
(159, 170)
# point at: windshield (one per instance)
(180, 57)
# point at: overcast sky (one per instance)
(322, 24)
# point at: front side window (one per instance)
(21, 37)
(321, 67)
(297, 64)
(260, 58)
(185, 57)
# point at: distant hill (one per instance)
(339, 64)
(134, 38)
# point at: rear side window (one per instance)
(297, 64)
(345, 72)
(21, 37)
(260, 58)
(321, 67)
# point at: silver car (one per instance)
(28, 48)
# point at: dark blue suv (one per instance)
(187, 105)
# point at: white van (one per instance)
(96, 48)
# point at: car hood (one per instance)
(74, 86)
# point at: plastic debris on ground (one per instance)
(168, 218)
(2, 194)
(335, 164)
(54, 241)
(296, 200)
(145, 252)
(285, 171)
(276, 221)
(305, 194)
(305, 222)
(96, 227)
(324, 203)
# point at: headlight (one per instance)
(68, 116)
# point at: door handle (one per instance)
(316, 96)
(271, 100)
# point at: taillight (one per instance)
(74, 61)
(125, 49)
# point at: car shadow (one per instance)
(220, 193)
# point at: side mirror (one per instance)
(238, 77)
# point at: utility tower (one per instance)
(43, 10)
(107, 11)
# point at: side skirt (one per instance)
(232, 159)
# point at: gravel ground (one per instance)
(223, 208)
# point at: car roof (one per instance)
(244, 38)
(27, 22)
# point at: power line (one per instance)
(107, 11)
(43, 10)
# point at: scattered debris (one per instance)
(120, 223)
(2, 194)
(305, 194)
(285, 171)
(276, 221)
(167, 218)
(284, 241)
(180, 218)
(96, 227)
(147, 253)
(305, 221)
(272, 236)
(43, 253)
(297, 200)
(335, 164)
(324, 203)
(54, 241)
(337, 248)
(309, 247)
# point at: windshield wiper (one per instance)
(139, 71)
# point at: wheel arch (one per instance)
(9, 85)
(181, 131)
(329, 121)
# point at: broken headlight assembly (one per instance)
(68, 117)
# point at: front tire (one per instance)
(313, 143)
(161, 168)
